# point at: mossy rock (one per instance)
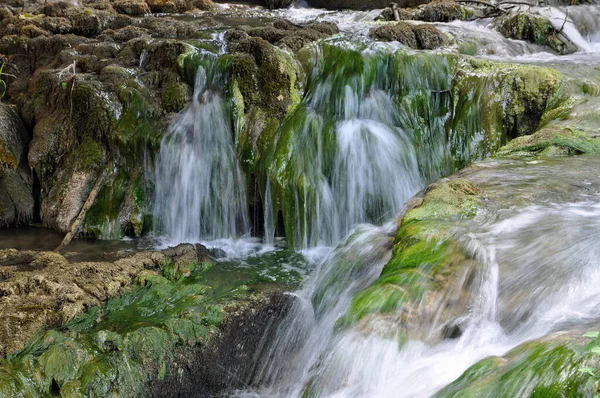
(425, 258)
(535, 29)
(551, 141)
(455, 198)
(175, 96)
(401, 32)
(544, 368)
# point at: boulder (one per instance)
(535, 29)
(401, 32)
(429, 37)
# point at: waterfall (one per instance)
(357, 147)
(200, 189)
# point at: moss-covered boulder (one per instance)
(511, 101)
(548, 367)
(535, 29)
(434, 11)
(401, 32)
(429, 37)
(551, 141)
(421, 36)
(425, 262)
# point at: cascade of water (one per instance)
(308, 329)
(561, 22)
(200, 190)
(356, 148)
(540, 246)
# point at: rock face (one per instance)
(16, 196)
(97, 95)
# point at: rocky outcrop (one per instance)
(16, 192)
(90, 111)
(167, 334)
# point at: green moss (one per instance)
(175, 97)
(95, 115)
(455, 198)
(424, 256)
(88, 156)
(534, 369)
(551, 141)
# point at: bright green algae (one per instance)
(537, 369)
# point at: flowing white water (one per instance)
(538, 273)
(308, 329)
(200, 190)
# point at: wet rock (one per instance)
(435, 11)
(549, 366)
(238, 349)
(429, 37)
(133, 8)
(16, 195)
(535, 29)
(401, 32)
(440, 11)
(421, 276)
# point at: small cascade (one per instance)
(561, 22)
(200, 189)
(308, 330)
(356, 148)
(540, 246)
